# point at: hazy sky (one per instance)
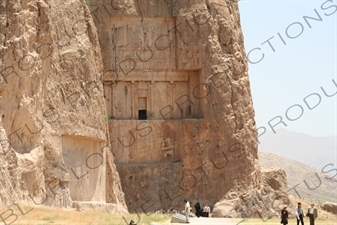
(304, 59)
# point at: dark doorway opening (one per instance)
(142, 115)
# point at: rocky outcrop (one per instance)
(54, 137)
(180, 111)
(302, 186)
(330, 207)
(264, 202)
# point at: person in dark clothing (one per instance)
(284, 216)
(197, 209)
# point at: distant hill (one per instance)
(311, 184)
(314, 151)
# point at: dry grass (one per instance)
(42, 215)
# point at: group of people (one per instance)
(311, 213)
(202, 212)
(205, 210)
(199, 212)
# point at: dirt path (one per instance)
(211, 221)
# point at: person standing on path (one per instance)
(197, 209)
(284, 216)
(299, 214)
(187, 210)
(312, 213)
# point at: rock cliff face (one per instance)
(156, 89)
(181, 118)
(54, 142)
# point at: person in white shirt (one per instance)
(208, 210)
(312, 213)
(187, 210)
(299, 214)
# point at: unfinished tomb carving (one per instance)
(86, 167)
(146, 83)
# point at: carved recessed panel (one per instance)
(85, 163)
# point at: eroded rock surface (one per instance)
(54, 142)
(264, 202)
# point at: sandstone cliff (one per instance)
(178, 97)
(161, 87)
(54, 142)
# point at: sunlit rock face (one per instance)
(54, 142)
(147, 98)
(178, 98)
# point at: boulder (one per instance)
(178, 218)
(330, 207)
